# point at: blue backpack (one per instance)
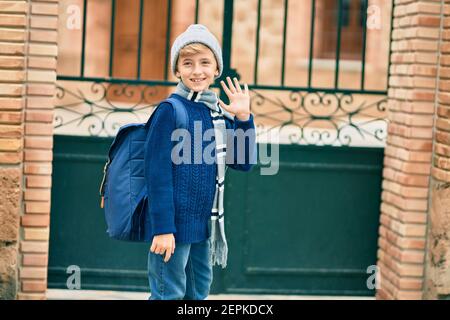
(123, 189)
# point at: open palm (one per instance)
(239, 100)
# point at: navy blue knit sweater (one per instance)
(181, 195)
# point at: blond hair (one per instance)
(192, 49)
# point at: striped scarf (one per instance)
(218, 242)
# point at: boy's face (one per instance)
(200, 66)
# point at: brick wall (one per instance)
(28, 50)
(437, 275)
(13, 34)
(408, 153)
(38, 144)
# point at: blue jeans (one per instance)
(187, 275)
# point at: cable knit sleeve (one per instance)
(158, 170)
(243, 142)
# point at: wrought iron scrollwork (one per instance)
(314, 118)
(99, 102)
(322, 118)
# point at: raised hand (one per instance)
(239, 100)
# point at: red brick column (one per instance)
(437, 275)
(408, 153)
(13, 34)
(28, 51)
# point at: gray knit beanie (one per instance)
(196, 33)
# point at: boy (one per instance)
(186, 198)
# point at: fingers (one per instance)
(238, 86)
(153, 247)
(225, 88)
(230, 84)
(170, 250)
(156, 249)
(168, 254)
(161, 251)
(233, 88)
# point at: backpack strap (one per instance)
(181, 114)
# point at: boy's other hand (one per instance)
(163, 243)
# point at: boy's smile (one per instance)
(197, 71)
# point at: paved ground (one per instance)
(61, 294)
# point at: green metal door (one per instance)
(310, 229)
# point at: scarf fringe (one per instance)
(219, 253)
